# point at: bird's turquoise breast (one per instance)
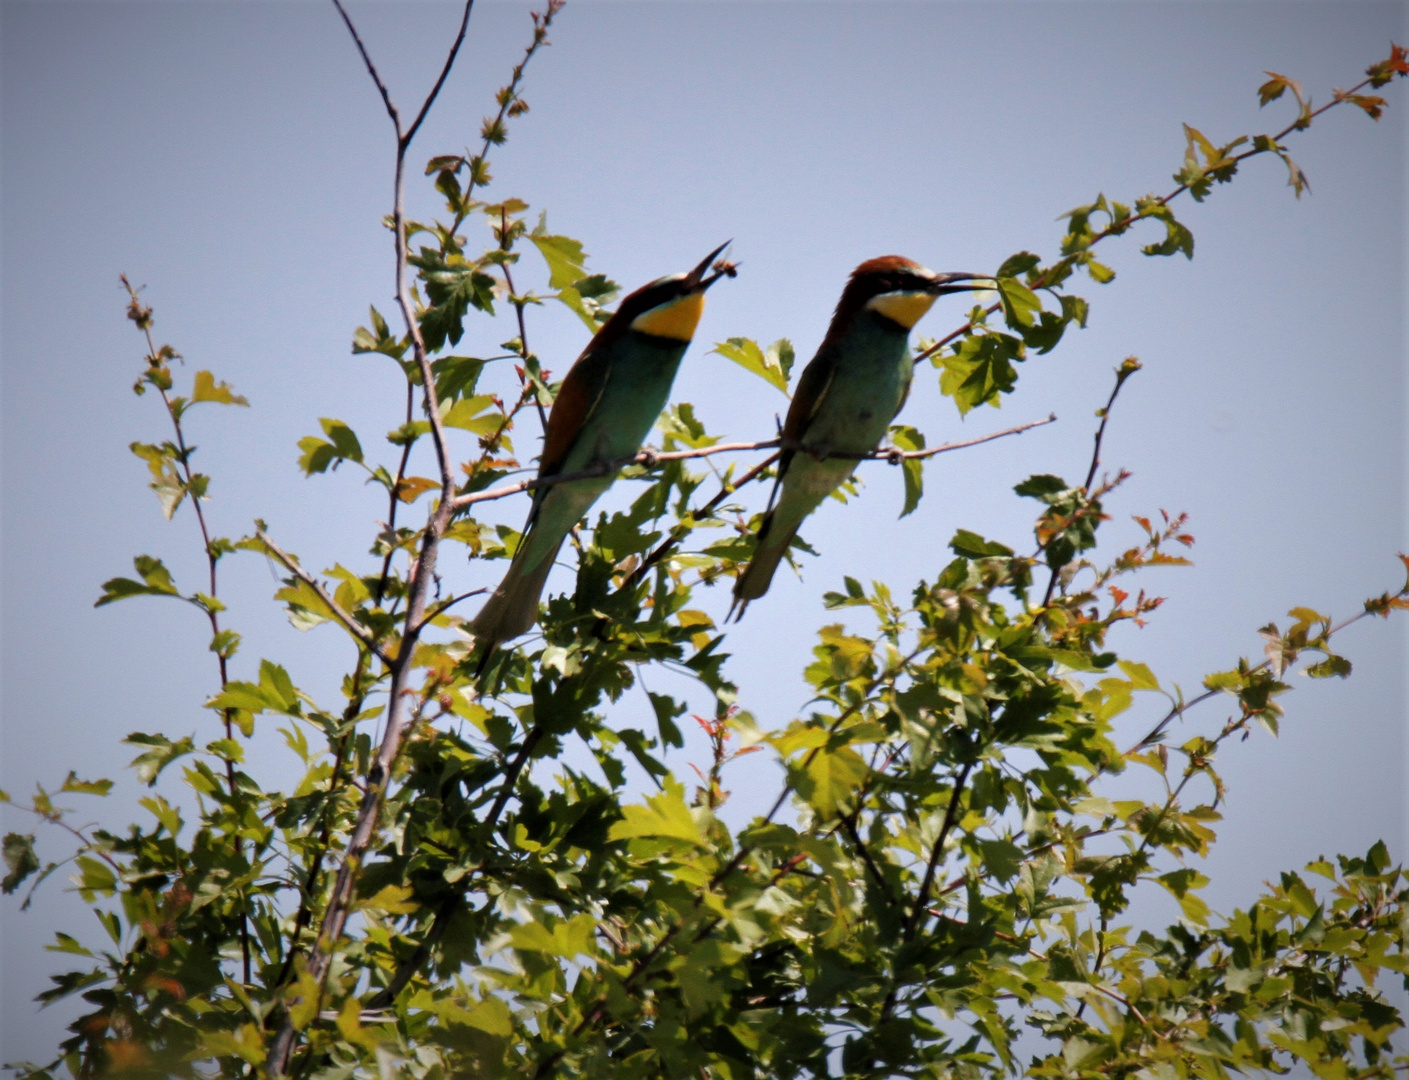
(871, 378)
(637, 388)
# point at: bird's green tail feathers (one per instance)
(774, 536)
(512, 608)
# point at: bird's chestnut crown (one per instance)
(902, 290)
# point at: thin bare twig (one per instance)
(371, 68)
(519, 305)
(951, 813)
(1129, 366)
(444, 74)
(394, 499)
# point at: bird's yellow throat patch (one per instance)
(675, 320)
(905, 308)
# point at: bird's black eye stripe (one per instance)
(897, 281)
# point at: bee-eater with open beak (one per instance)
(846, 398)
(604, 410)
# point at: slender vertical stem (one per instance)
(421, 574)
(1129, 366)
(183, 458)
(395, 498)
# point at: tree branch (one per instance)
(371, 69)
(1128, 367)
(353, 627)
(1301, 123)
(439, 82)
(912, 924)
(422, 573)
(651, 458)
(142, 317)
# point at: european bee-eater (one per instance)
(846, 398)
(604, 410)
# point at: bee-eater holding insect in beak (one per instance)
(606, 407)
(846, 398)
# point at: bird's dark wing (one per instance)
(577, 399)
(903, 399)
(811, 389)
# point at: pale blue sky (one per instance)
(235, 159)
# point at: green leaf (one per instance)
(306, 608)
(378, 339)
(277, 687)
(588, 296)
(664, 815)
(979, 369)
(85, 787)
(567, 262)
(666, 710)
(166, 481)
(908, 438)
(829, 779)
(343, 439)
(491, 1015)
(1099, 271)
(453, 287)
(1021, 307)
(566, 938)
(20, 861)
(469, 414)
(160, 753)
(1019, 264)
(1337, 666)
(1043, 486)
(970, 545)
(64, 942)
(94, 877)
(317, 455)
(156, 581)
(456, 376)
(207, 389)
(244, 696)
(1140, 676)
(772, 365)
(680, 426)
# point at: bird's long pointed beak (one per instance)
(695, 280)
(952, 283)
